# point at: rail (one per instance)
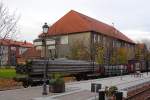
(147, 98)
(139, 93)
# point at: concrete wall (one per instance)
(88, 39)
(63, 50)
(80, 37)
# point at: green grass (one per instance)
(7, 73)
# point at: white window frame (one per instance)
(51, 47)
(38, 43)
(64, 39)
(39, 47)
(50, 41)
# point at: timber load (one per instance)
(62, 66)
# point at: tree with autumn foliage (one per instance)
(141, 52)
(113, 59)
(138, 54)
(122, 57)
(148, 56)
(79, 51)
(99, 55)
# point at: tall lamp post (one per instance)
(47, 44)
(45, 32)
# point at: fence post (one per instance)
(101, 95)
(119, 95)
(95, 87)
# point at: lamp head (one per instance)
(45, 28)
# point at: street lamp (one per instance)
(47, 44)
(45, 32)
(45, 28)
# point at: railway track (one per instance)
(141, 95)
(148, 98)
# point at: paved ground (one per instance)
(21, 94)
(82, 95)
(75, 89)
(27, 93)
(123, 83)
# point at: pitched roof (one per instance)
(31, 53)
(9, 42)
(74, 22)
(141, 45)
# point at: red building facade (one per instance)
(10, 50)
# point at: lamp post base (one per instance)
(44, 93)
(44, 89)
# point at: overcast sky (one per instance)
(129, 16)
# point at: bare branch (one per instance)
(8, 22)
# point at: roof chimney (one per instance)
(25, 42)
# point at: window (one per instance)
(113, 43)
(37, 43)
(100, 38)
(104, 41)
(95, 38)
(122, 44)
(64, 40)
(38, 47)
(13, 48)
(51, 47)
(22, 50)
(50, 41)
(118, 43)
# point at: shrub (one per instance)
(110, 90)
(57, 84)
(56, 79)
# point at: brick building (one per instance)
(10, 50)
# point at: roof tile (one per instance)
(9, 42)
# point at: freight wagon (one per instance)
(77, 68)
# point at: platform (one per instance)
(81, 90)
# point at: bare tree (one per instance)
(8, 22)
(8, 26)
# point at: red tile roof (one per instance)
(31, 53)
(141, 45)
(9, 42)
(74, 22)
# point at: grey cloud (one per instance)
(126, 14)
